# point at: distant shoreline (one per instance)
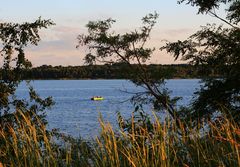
(65, 79)
(117, 71)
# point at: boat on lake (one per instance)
(97, 98)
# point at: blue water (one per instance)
(75, 114)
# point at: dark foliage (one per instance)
(14, 38)
(218, 49)
(117, 71)
(129, 48)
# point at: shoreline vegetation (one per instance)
(143, 144)
(116, 71)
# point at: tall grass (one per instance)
(170, 144)
(164, 145)
(26, 143)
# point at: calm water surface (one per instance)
(75, 114)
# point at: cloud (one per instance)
(58, 46)
(58, 38)
(172, 34)
(56, 58)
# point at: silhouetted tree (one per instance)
(14, 38)
(216, 48)
(129, 48)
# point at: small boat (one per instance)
(97, 98)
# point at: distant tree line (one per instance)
(115, 71)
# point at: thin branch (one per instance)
(169, 108)
(225, 21)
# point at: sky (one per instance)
(58, 44)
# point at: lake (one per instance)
(75, 114)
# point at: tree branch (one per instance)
(225, 21)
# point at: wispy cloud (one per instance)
(58, 47)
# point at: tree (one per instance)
(216, 48)
(129, 48)
(14, 38)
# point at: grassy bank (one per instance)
(161, 144)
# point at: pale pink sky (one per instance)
(58, 45)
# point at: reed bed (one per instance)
(170, 144)
(163, 144)
(26, 143)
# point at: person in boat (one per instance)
(96, 97)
